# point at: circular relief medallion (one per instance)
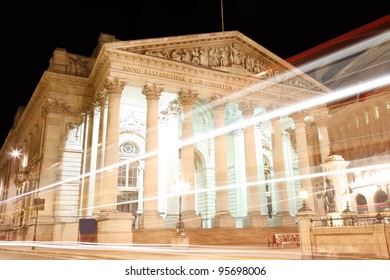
(20, 177)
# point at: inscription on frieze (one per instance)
(177, 77)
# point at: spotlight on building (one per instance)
(15, 153)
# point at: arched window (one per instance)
(361, 204)
(381, 201)
(128, 178)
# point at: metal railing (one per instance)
(351, 220)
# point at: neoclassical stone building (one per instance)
(359, 126)
(110, 137)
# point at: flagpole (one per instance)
(223, 29)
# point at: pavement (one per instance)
(95, 251)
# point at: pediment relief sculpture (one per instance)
(221, 57)
(230, 57)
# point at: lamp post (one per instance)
(181, 186)
(304, 194)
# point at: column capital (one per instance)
(322, 119)
(237, 132)
(174, 107)
(114, 86)
(218, 102)
(187, 97)
(276, 121)
(247, 107)
(152, 91)
(299, 117)
(101, 98)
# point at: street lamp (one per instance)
(181, 187)
(304, 194)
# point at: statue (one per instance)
(330, 197)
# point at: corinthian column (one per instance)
(321, 121)
(114, 89)
(282, 217)
(113, 226)
(222, 218)
(151, 217)
(253, 218)
(303, 154)
(189, 216)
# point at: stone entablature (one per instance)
(175, 75)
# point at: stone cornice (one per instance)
(46, 88)
(63, 108)
(33, 106)
(99, 72)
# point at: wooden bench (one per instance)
(284, 238)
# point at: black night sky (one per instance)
(31, 30)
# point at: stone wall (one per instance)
(351, 242)
(215, 236)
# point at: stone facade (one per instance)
(109, 137)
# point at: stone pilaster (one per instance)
(321, 121)
(304, 233)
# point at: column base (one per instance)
(224, 220)
(150, 219)
(180, 242)
(115, 227)
(282, 219)
(255, 220)
(171, 220)
(191, 220)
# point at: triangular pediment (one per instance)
(230, 52)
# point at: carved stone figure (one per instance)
(330, 197)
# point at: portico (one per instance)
(184, 108)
